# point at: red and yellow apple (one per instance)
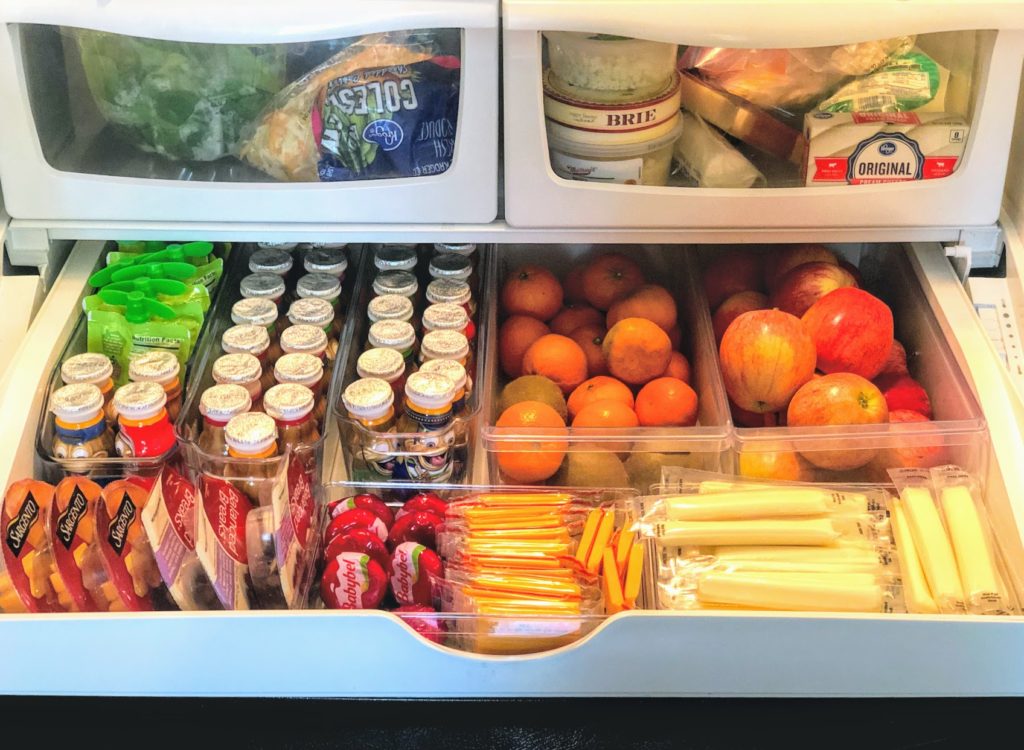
(852, 332)
(837, 399)
(766, 355)
(897, 360)
(807, 283)
(782, 466)
(733, 307)
(902, 392)
(731, 272)
(781, 259)
(913, 451)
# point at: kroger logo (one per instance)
(385, 133)
(887, 148)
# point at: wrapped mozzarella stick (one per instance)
(818, 532)
(787, 591)
(915, 587)
(710, 159)
(836, 500)
(934, 549)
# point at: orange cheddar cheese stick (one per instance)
(622, 549)
(613, 601)
(604, 533)
(589, 532)
(634, 571)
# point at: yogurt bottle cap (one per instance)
(445, 316)
(304, 369)
(252, 432)
(257, 311)
(271, 260)
(430, 390)
(329, 260)
(237, 368)
(448, 290)
(247, 339)
(222, 402)
(303, 338)
(368, 398)
(386, 364)
(395, 259)
(77, 403)
(444, 345)
(87, 368)
(142, 400)
(392, 334)
(311, 311)
(160, 367)
(389, 307)
(268, 285)
(451, 369)
(451, 266)
(321, 285)
(288, 402)
(395, 282)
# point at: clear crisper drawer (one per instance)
(905, 122)
(603, 455)
(385, 118)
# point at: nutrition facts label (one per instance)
(995, 308)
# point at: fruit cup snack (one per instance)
(169, 519)
(26, 561)
(71, 529)
(722, 542)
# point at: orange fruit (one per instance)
(514, 338)
(533, 458)
(650, 301)
(610, 277)
(574, 316)
(574, 286)
(590, 339)
(678, 367)
(675, 335)
(557, 358)
(637, 351)
(667, 402)
(601, 388)
(601, 416)
(531, 290)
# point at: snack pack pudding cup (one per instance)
(607, 68)
(638, 157)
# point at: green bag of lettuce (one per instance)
(183, 100)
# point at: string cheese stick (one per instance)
(781, 566)
(915, 587)
(787, 592)
(842, 553)
(797, 532)
(756, 503)
(847, 502)
(934, 549)
(973, 556)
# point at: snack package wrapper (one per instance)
(25, 559)
(789, 79)
(711, 160)
(109, 333)
(385, 106)
(181, 100)
(906, 83)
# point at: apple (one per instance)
(765, 355)
(730, 273)
(852, 332)
(807, 283)
(841, 398)
(783, 466)
(897, 360)
(902, 392)
(854, 271)
(915, 451)
(733, 307)
(783, 258)
(745, 418)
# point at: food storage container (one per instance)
(640, 157)
(958, 433)
(759, 77)
(598, 457)
(356, 437)
(120, 115)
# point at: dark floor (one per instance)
(536, 725)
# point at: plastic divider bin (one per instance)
(491, 634)
(190, 421)
(570, 91)
(612, 457)
(355, 437)
(192, 113)
(958, 434)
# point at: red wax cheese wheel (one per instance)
(419, 527)
(354, 519)
(427, 501)
(414, 568)
(360, 540)
(353, 581)
(366, 501)
(418, 617)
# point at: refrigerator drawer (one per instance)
(590, 138)
(384, 113)
(635, 653)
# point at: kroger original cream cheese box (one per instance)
(858, 149)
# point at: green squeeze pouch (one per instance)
(168, 291)
(122, 335)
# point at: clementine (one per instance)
(590, 339)
(637, 350)
(599, 417)
(523, 454)
(532, 290)
(600, 388)
(650, 301)
(610, 277)
(678, 367)
(574, 316)
(557, 358)
(667, 402)
(514, 338)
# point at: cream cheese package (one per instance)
(869, 148)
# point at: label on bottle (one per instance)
(220, 540)
(378, 451)
(149, 440)
(428, 456)
(169, 521)
(581, 169)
